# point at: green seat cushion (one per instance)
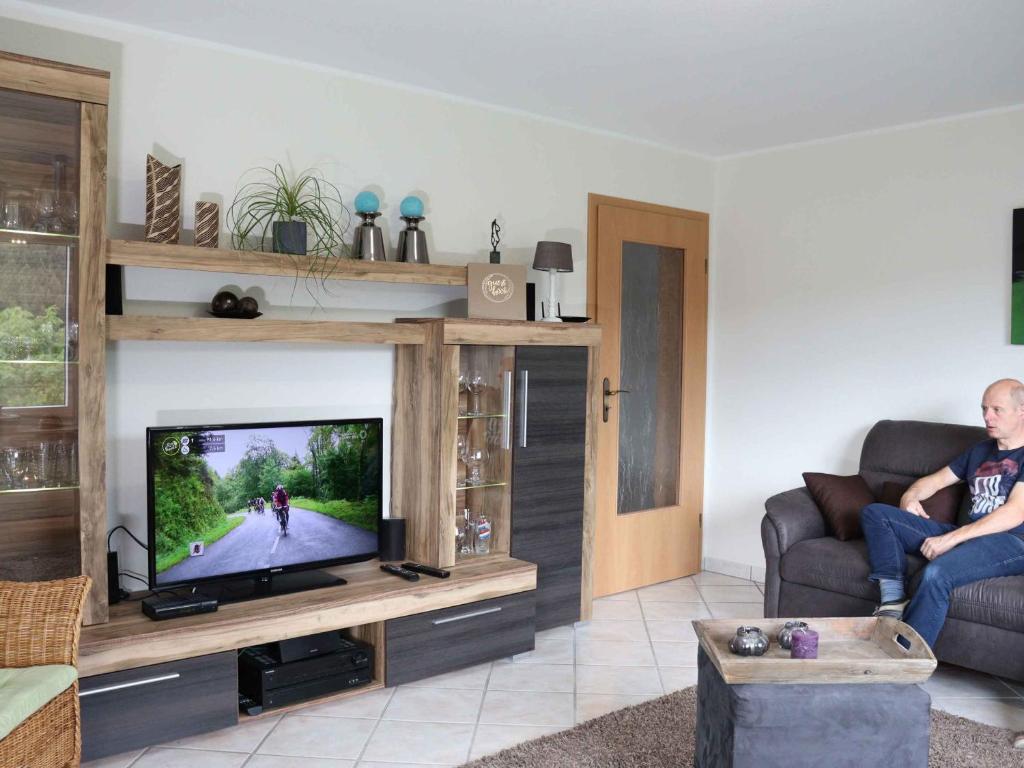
(24, 691)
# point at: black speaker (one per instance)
(531, 301)
(113, 579)
(391, 539)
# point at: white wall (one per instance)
(225, 111)
(853, 280)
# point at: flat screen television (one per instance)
(254, 509)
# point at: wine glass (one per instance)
(475, 384)
(462, 390)
(474, 460)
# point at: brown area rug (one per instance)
(660, 734)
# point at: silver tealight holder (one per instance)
(412, 241)
(368, 240)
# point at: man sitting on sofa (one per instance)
(991, 545)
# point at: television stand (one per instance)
(255, 587)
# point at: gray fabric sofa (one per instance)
(809, 573)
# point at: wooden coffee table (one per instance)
(857, 704)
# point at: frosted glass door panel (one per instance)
(650, 377)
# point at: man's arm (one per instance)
(925, 488)
(1006, 517)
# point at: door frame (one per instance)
(693, 408)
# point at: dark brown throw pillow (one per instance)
(840, 500)
(941, 507)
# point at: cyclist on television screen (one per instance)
(261, 504)
(279, 500)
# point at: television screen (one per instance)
(248, 498)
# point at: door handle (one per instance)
(608, 392)
(523, 420)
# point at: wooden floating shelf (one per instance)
(148, 328)
(459, 330)
(133, 253)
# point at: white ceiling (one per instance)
(715, 77)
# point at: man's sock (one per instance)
(892, 590)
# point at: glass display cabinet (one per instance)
(52, 416)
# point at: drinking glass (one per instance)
(11, 214)
(475, 384)
(474, 460)
(46, 207)
(462, 391)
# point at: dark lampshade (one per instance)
(553, 256)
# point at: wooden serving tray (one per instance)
(850, 650)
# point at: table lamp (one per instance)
(552, 257)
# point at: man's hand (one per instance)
(937, 545)
(913, 507)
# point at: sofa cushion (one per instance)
(942, 507)
(914, 449)
(840, 500)
(838, 566)
(995, 602)
(25, 690)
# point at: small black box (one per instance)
(160, 608)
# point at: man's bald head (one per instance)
(1011, 388)
(1002, 407)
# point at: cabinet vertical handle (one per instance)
(506, 409)
(523, 420)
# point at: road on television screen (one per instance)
(258, 544)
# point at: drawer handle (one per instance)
(464, 616)
(133, 684)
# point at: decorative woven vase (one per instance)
(163, 201)
(207, 224)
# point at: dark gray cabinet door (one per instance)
(547, 475)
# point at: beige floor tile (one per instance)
(1002, 713)
(370, 704)
(434, 705)
(1016, 686)
(591, 705)
(720, 594)
(752, 611)
(303, 736)
(402, 741)
(114, 761)
(622, 631)
(675, 654)
(375, 764)
(675, 611)
(494, 738)
(959, 683)
(527, 708)
(671, 631)
(555, 633)
(678, 591)
(547, 652)
(244, 737)
(615, 610)
(554, 678)
(621, 680)
(161, 757)
(629, 596)
(614, 653)
(282, 761)
(677, 678)
(471, 677)
(717, 579)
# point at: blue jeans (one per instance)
(891, 533)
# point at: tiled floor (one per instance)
(638, 646)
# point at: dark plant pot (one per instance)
(290, 237)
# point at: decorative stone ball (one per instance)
(412, 207)
(224, 302)
(248, 306)
(367, 202)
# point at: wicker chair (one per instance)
(40, 623)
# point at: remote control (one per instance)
(429, 570)
(402, 572)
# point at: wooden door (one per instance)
(647, 287)
(548, 475)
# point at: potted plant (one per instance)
(301, 215)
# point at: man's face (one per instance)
(1003, 417)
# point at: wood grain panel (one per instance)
(25, 73)
(92, 375)
(131, 253)
(150, 328)
(594, 394)
(374, 635)
(520, 332)
(130, 639)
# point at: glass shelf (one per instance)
(4, 491)
(466, 416)
(31, 237)
(478, 485)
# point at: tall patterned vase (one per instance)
(163, 201)
(207, 224)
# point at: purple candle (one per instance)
(805, 644)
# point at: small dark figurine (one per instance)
(495, 239)
(224, 303)
(248, 307)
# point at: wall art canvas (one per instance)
(496, 291)
(1017, 280)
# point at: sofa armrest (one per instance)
(790, 517)
(40, 622)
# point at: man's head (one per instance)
(1002, 407)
